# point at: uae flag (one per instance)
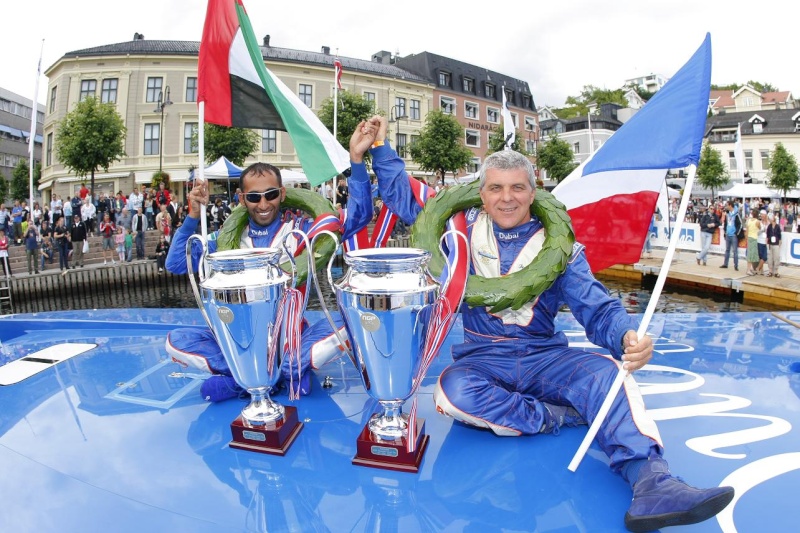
(238, 90)
(612, 196)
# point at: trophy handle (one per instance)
(203, 270)
(325, 310)
(310, 269)
(441, 250)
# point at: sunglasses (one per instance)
(269, 194)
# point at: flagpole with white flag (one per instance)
(32, 135)
(509, 131)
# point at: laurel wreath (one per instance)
(512, 290)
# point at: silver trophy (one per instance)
(241, 297)
(387, 299)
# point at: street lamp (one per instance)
(163, 102)
(592, 109)
(393, 116)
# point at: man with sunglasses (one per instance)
(262, 194)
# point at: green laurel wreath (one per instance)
(512, 290)
(308, 201)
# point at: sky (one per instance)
(558, 46)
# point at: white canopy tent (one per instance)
(289, 177)
(750, 190)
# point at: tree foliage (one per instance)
(782, 169)
(556, 157)
(353, 108)
(757, 85)
(20, 180)
(90, 137)
(711, 172)
(497, 141)
(3, 188)
(439, 148)
(236, 144)
(576, 106)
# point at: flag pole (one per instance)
(201, 152)
(643, 326)
(32, 134)
(335, 113)
(738, 156)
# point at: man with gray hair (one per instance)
(516, 375)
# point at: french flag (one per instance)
(612, 196)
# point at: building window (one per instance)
(88, 88)
(48, 158)
(447, 105)
(474, 164)
(400, 108)
(269, 141)
(53, 99)
(151, 138)
(492, 115)
(576, 148)
(489, 91)
(514, 120)
(108, 94)
(401, 144)
(732, 160)
(469, 85)
(470, 110)
(444, 79)
(153, 89)
(306, 94)
(191, 89)
(526, 101)
(369, 97)
(510, 97)
(530, 124)
(414, 108)
(472, 138)
(765, 159)
(758, 127)
(748, 159)
(189, 136)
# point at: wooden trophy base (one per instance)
(273, 439)
(390, 455)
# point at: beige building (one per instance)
(154, 86)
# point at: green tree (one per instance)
(578, 106)
(757, 85)
(438, 148)
(782, 170)
(20, 180)
(3, 189)
(236, 144)
(497, 141)
(711, 172)
(90, 137)
(556, 157)
(353, 108)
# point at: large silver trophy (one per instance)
(388, 302)
(241, 296)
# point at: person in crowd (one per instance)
(732, 223)
(162, 249)
(164, 222)
(515, 375)
(31, 237)
(124, 218)
(5, 216)
(151, 208)
(46, 249)
(4, 242)
(88, 215)
(119, 202)
(774, 243)
(267, 225)
(162, 196)
(16, 221)
(37, 214)
(107, 230)
(128, 245)
(61, 238)
(84, 192)
(761, 242)
(709, 224)
(78, 234)
(56, 209)
(753, 227)
(67, 212)
(135, 200)
(119, 242)
(342, 191)
(138, 227)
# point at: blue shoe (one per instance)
(661, 500)
(559, 415)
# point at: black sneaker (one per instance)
(558, 416)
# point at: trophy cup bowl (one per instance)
(240, 296)
(385, 299)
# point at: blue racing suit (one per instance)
(503, 372)
(197, 347)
